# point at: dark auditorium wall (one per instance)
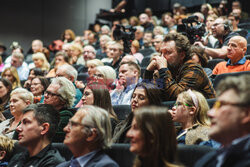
(25, 20)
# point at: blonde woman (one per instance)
(92, 64)
(11, 74)
(190, 111)
(40, 61)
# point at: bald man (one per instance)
(236, 49)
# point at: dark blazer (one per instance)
(237, 155)
(100, 159)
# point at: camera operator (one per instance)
(222, 30)
(177, 72)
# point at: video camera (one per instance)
(125, 33)
(194, 32)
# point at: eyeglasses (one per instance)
(87, 52)
(73, 123)
(180, 103)
(98, 75)
(219, 104)
(48, 93)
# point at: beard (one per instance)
(174, 68)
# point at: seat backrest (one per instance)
(82, 77)
(211, 102)
(122, 111)
(169, 104)
(248, 49)
(212, 63)
(220, 77)
(188, 155)
(64, 150)
(120, 153)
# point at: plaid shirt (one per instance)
(189, 76)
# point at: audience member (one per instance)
(5, 90)
(75, 54)
(61, 95)
(20, 98)
(40, 61)
(200, 58)
(17, 61)
(38, 126)
(177, 72)
(92, 64)
(222, 30)
(147, 49)
(36, 46)
(157, 41)
(153, 137)
(68, 36)
(61, 58)
(191, 111)
(115, 50)
(70, 73)
(106, 75)
(168, 22)
(101, 53)
(6, 150)
(135, 47)
(88, 133)
(11, 74)
(230, 118)
(97, 94)
(38, 87)
(129, 74)
(143, 95)
(237, 47)
(34, 72)
(139, 33)
(145, 22)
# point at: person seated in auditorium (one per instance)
(6, 150)
(20, 98)
(97, 94)
(11, 74)
(145, 94)
(88, 133)
(222, 29)
(177, 72)
(37, 128)
(157, 41)
(88, 53)
(145, 22)
(70, 73)
(40, 61)
(190, 111)
(38, 87)
(237, 47)
(61, 58)
(5, 90)
(200, 58)
(17, 61)
(101, 53)
(61, 94)
(129, 74)
(115, 50)
(153, 137)
(230, 118)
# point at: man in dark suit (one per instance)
(230, 124)
(87, 133)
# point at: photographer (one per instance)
(177, 72)
(222, 30)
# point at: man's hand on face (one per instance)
(161, 62)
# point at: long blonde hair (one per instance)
(14, 73)
(200, 116)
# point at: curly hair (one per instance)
(182, 43)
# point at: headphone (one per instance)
(228, 26)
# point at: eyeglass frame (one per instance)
(218, 104)
(54, 94)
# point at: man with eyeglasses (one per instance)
(61, 94)
(230, 124)
(87, 134)
(222, 30)
(89, 53)
(35, 132)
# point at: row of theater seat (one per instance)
(186, 154)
